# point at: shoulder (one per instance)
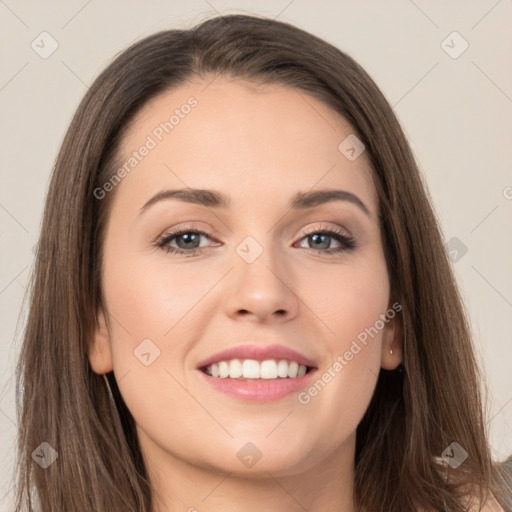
(473, 494)
(491, 505)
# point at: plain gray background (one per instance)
(455, 104)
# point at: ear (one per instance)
(392, 337)
(100, 351)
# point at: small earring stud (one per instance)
(391, 351)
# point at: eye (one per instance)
(187, 240)
(322, 237)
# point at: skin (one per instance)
(259, 145)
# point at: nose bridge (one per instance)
(262, 279)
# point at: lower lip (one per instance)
(258, 390)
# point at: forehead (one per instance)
(248, 140)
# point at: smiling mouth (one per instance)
(251, 369)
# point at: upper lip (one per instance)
(258, 353)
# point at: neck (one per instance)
(180, 485)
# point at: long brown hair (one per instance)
(415, 413)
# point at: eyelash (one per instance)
(347, 241)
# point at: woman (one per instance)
(241, 299)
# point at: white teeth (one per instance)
(235, 369)
(282, 368)
(223, 369)
(269, 369)
(252, 369)
(293, 370)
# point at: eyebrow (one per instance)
(215, 199)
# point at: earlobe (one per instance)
(100, 351)
(392, 343)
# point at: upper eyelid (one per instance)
(325, 227)
(205, 231)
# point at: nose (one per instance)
(262, 290)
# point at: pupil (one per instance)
(188, 237)
(316, 237)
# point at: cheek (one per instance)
(347, 299)
(153, 301)
(155, 316)
(350, 310)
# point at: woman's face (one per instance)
(265, 273)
